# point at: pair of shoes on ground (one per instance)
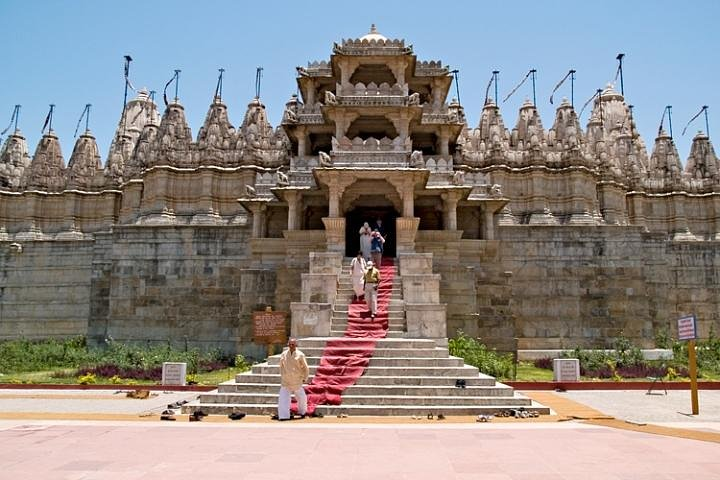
(197, 416)
(177, 404)
(460, 383)
(236, 416)
(484, 418)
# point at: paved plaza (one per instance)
(105, 435)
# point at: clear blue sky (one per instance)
(71, 53)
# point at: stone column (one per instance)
(450, 200)
(333, 198)
(444, 141)
(293, 201)
(302, 142)
(310, 100)
(489, 221)
(406, 230)
(335, 233)
(258, 211)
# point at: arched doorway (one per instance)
(361, 214)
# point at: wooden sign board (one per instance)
(269, 327)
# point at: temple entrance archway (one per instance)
(361, 214)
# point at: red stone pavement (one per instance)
(146, 450)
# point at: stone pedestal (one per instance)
(406, 229)
(423, 288)
(326, 262)
(415, 263)
(427, 321)
(319, 287)
(310, 319)
(335, 234)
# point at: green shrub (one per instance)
(478, 355)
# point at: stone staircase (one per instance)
(405, 377)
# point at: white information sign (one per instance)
(687, 328)
(174, 373)
(566, 370)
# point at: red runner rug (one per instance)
(345, 359)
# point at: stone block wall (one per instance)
(45, 288)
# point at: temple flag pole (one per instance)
(703, 109)
(707, 124)
(13, 119)
(86, 115)
(177, 84)
(487, 89)
(571, 74)
(669, 110)
(258, 81)
(533, 71)
(519, 85)
(457, 85)
(619, 58)
(48, 119)
(495, 77)
(173, 79)
(218, 87)
(572, 88)
(126, 71)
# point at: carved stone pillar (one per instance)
(489, 224)
(334, 198)
(450, 201)
(406, 229)
(444, 143)
(335, 233)
(302, 142)
(310, 100)
(258, 212)
(293, 201)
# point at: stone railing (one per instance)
(304, 115)
(318, 69)
(360, 89)
(385, 144)
(371, 47)
(430, 68)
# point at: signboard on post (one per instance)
(174, 373)
(269, 327)
(687, 328)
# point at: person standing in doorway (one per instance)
(371, 280)
(357, 272)
(365, 240)
(379, 227)
(376, 248)
(294, 372)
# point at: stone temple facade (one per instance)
(557, 237)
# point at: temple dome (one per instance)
(373, 35)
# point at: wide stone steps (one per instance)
(387, 380)
(363, 390)
(407, 362)
(385, 352)
(406, 371)
(368, 409)
(405, 377)
(352, 400)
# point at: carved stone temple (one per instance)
(559, 236)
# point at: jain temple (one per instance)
(546, 236)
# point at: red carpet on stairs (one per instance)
(345, 359)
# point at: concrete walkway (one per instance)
(38, 443)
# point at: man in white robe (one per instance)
(357, 272)
(293, 372)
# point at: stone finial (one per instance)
(566, 133)
(665, 162)
(84, 163)
(259, 143)
(172, 143)
(528, 132)
(14, 161)
(215, 137)
(47, 169)
(702, 162)
(139, 111)
(137, 162)
(119, 157)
